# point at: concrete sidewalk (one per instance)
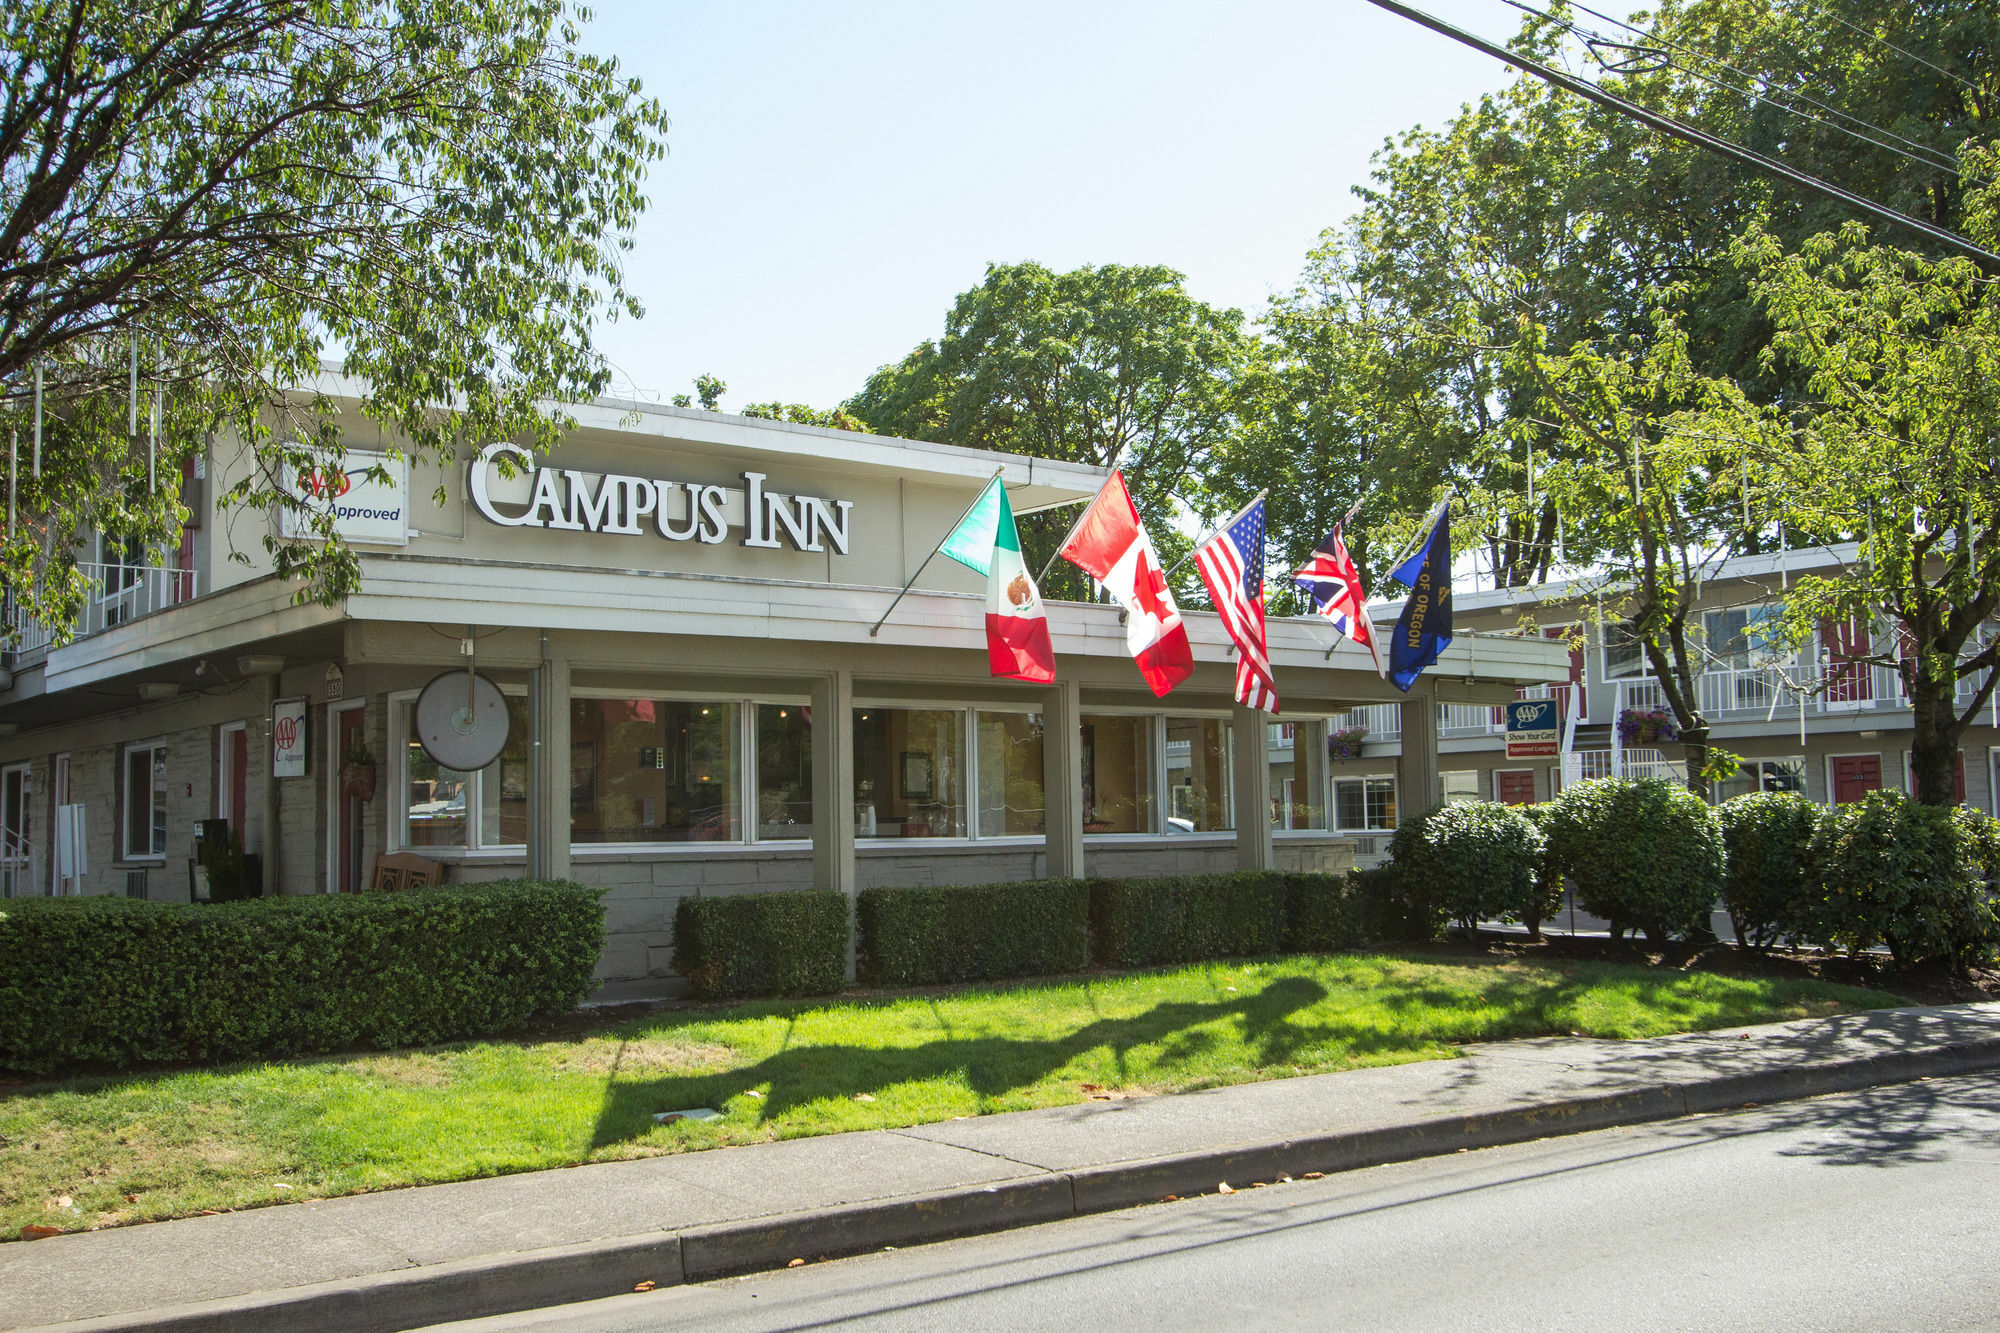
(415, 1256)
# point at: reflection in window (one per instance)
(435, 798)
(908, 773)
(1011, 799)
(503, 784)
(784, 772)
(1298, 775)
(1624, 654)
(1118, 774)
(1365, 805)
(1198, 792)
(1461, 786)
(653, 770)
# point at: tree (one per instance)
(709, 388)
(221, 193)
(1112, 366)
(1901, 443)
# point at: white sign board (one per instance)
(288, 738)
(364, 509)
(1533, 729)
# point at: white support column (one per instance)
(552, 776)
(1250, 758)
(833, 790)
(1418, 786)
(1062, 779)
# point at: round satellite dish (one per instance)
(463, 729)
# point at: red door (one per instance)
(1849, 682)
(1854, 776)
(1575, 677)
(348, 740)
(1517, 786)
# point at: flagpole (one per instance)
(1043, 577)
(876, 628)
(1227, 524)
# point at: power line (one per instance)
(1698, 137)
(1772, 91)
(1907, 55)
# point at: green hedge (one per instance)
(762, 944)
(1186, 918)
(113, 981)
(1913, 877)
(1474, 861)
(1642, 852)
(1768, 884)
(927, 936)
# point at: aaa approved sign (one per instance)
(288, 738)
(1534, 729)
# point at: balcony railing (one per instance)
(1638, 764)
(1384, 721)
(116, 595)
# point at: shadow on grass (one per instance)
(990, 1066)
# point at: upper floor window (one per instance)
(1741, 638)
(1624, 653)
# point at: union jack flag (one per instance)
(1232, 565)
(1334, 584)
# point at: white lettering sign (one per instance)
(364, 509)
(572, 501)
(288, 738)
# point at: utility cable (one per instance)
(1907, 55)
(1700, 138)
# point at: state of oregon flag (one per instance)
(1017, 629)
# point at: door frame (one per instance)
(20, 876)
(1832, 786)
(1499, 793)
(335, 798)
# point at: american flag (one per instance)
(1232, 565)
(1334, 584)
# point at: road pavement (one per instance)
(1866, 1211)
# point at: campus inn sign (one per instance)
(574, 501)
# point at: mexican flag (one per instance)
(1017, 629)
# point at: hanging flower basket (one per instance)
(357, 773)
(1644, 726)
(1344, 743)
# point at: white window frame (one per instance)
(1333, 806)
(127, 856)
(223, 775)
(1324, 724)
(396, 834)
(1445, 788)
(1642, 671)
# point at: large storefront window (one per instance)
(653, 770)
(1118, 774)
(909, 773)
(1011, 798)
(1298, 775)
(438, 802)
(784, 772)
(1198, 792)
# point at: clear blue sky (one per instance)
(838, 173)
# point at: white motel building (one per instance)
(675, 608)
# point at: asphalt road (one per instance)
(1875, 1211)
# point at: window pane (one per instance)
(1198, 790)
(1461, 786)
(1350, 803)
(434, 802)
(653, 770)
(139, 791)
(503, 784)
(158, 844)
(1382, 803)
(1118, 775)
(1011, 800)
(1298, 775)
(1728, 642)
(1785, 775)
(909, 772)
(1622, 653)
(784, 772)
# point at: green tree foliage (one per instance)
(1108, 365)
(436, 196)
(1909, 876)
(1898, 441)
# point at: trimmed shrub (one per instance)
(1546, 900)
(1768, 885)
(926, 936)
(762, 944)
(1473, 861)
(1642, 852)
(1910, 876)
(1186, 918)
(1323, 913)
(113, 981)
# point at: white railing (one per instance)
(115, 595)
(1384, 721)
(17, 865)
(1638, 764)
(1470, 720)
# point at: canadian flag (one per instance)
(1110, 544)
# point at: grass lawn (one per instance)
(94, 1152)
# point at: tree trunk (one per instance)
(1694, 752)
(1934, 736)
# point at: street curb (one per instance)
(534, 1279)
